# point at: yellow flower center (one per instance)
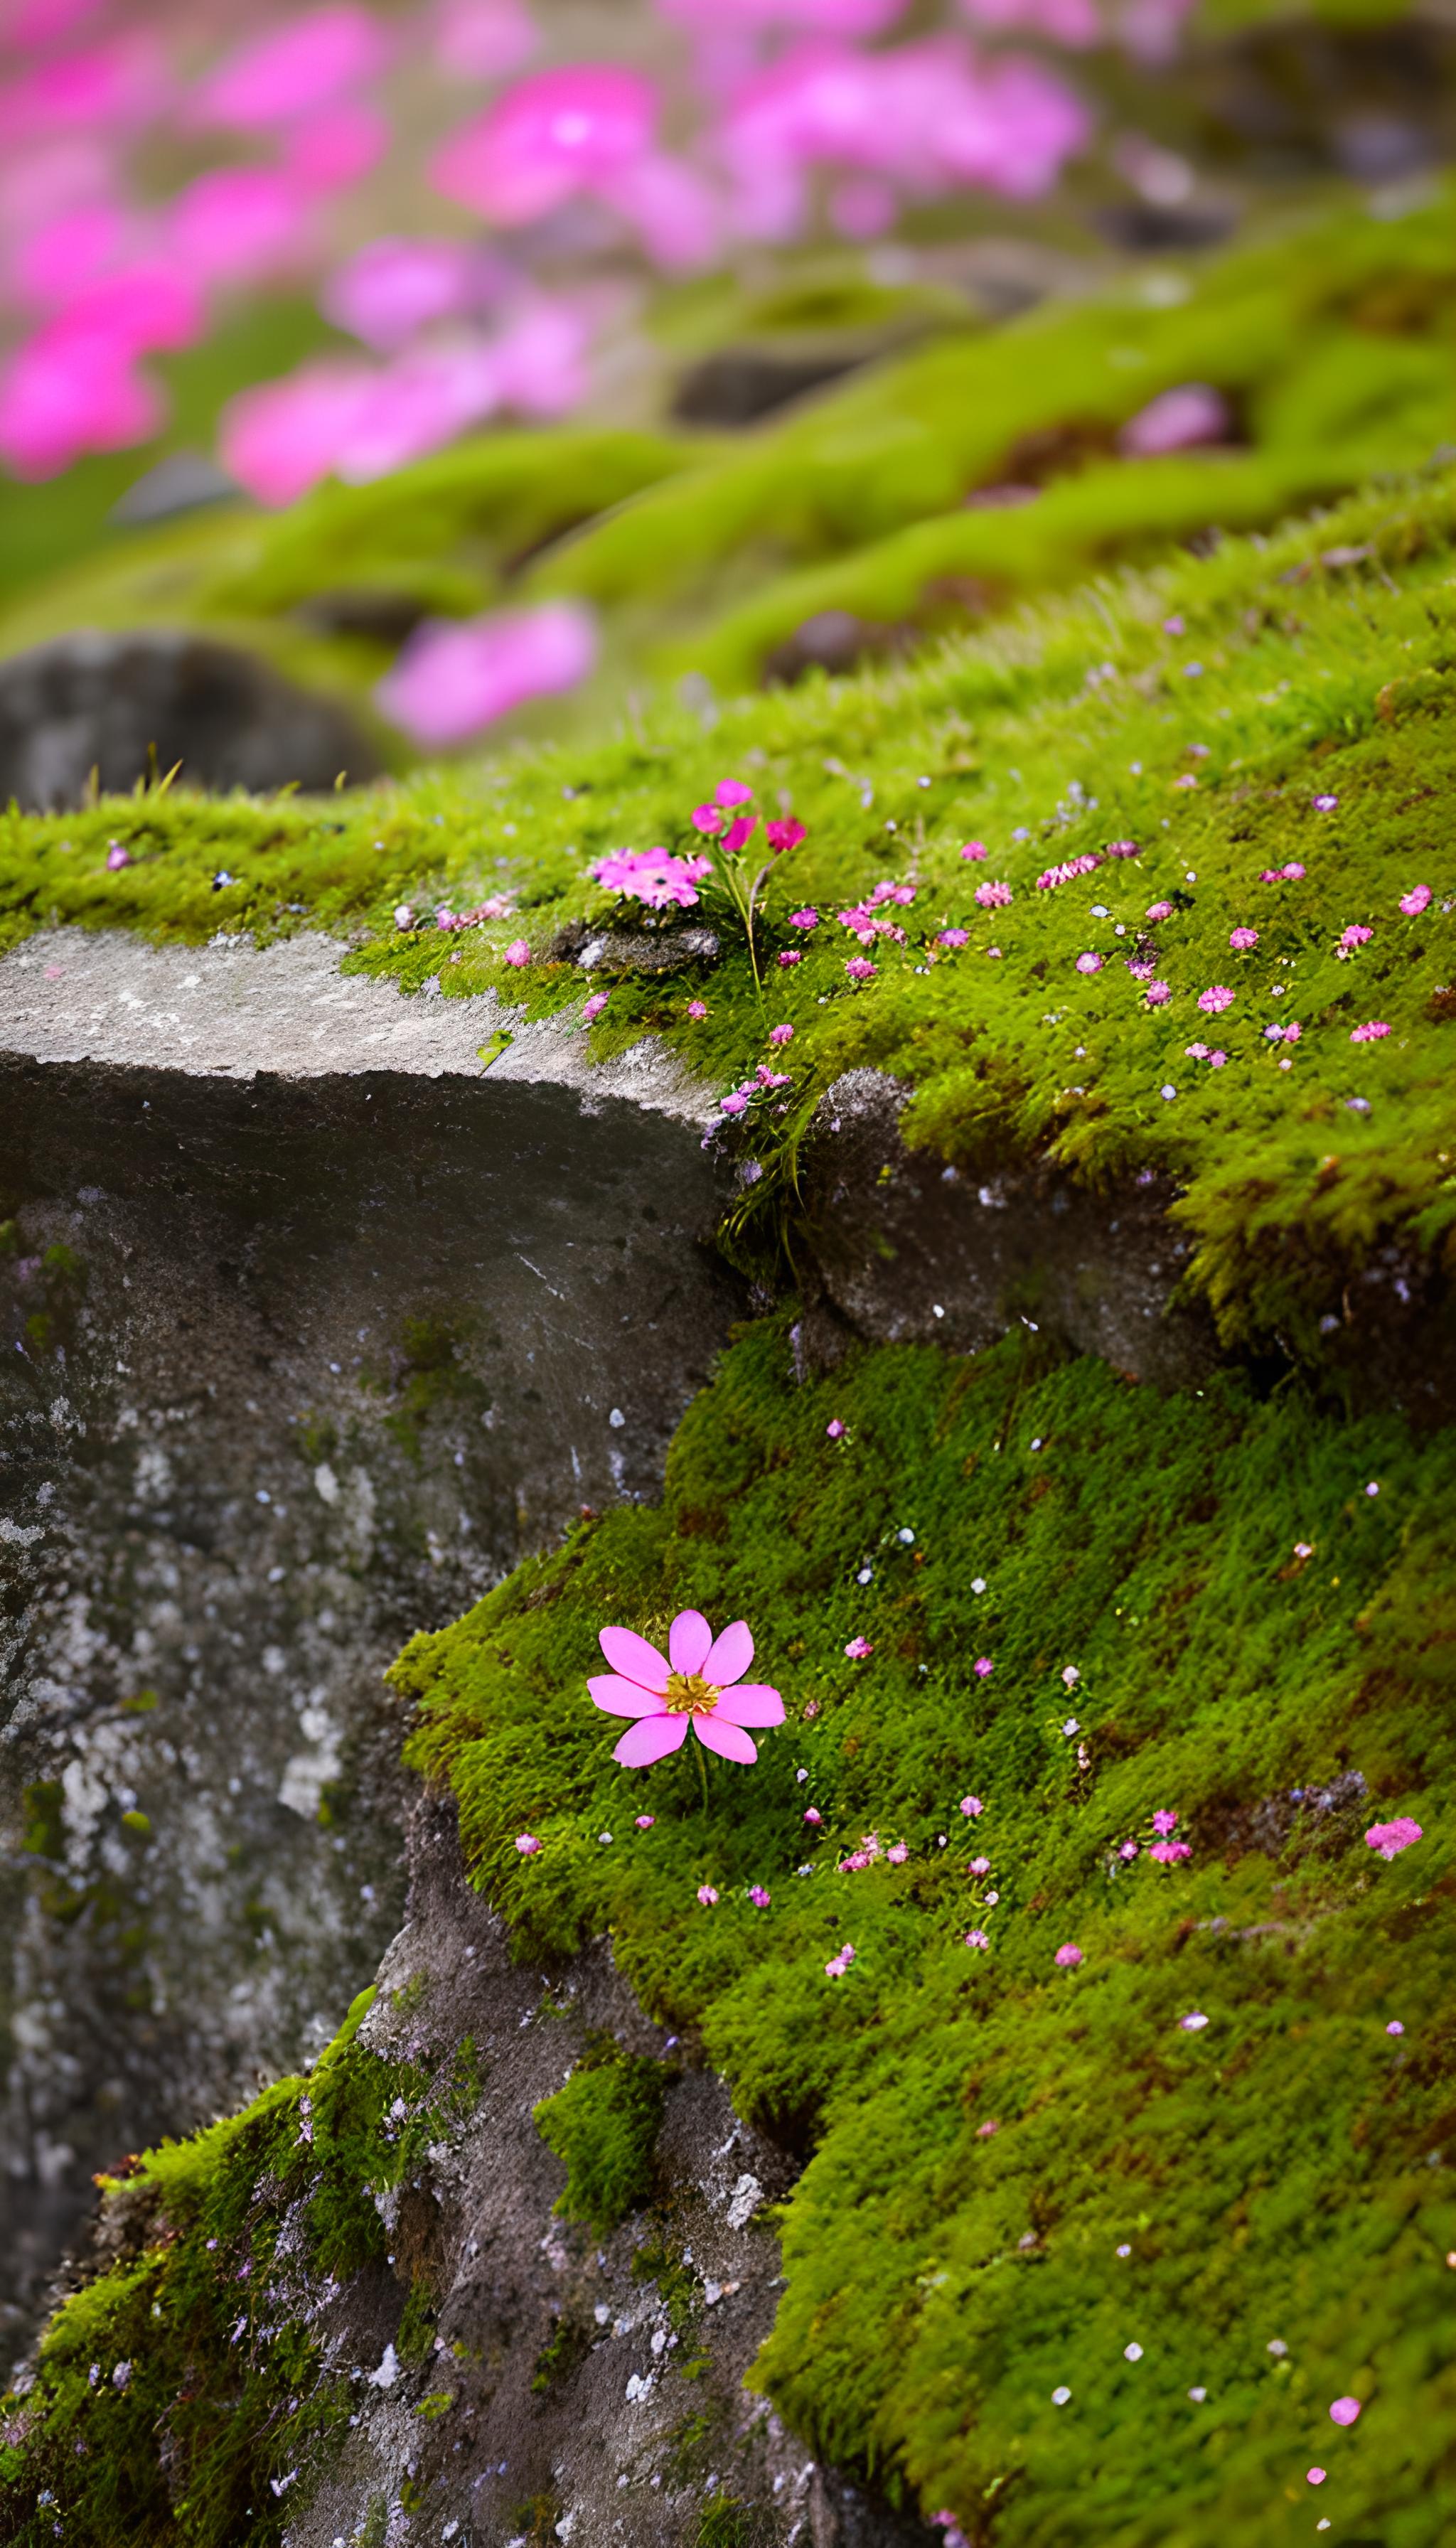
(689, 1694)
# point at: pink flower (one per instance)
(758, 1898)
(1163, 1823)
(552, 137)
(1129, 1849)
(971, 1805)
(700, 1683)
(707, 1894)
(1159, 911)
(1068, 868)
(898, 1853)
(785, 835)
(1314, 2476)
(1355, 936)
(1394, 2026)
(1194, 2023)
(1187, 779)
(975, 849)
(1326, 805)
(812, 1816)
(987, 2131)
(698, 1007)
(979, 1867)
(835, 1430)
(117, 856)
(838, 1965)
(1218, 996)
(528, 1845)
(732, 792)
(808, 918)
(517, 952)
(860, 970)
(976, 1937)
(739, 834)
(1390, 1838)
(780, 1034)
(1345, 2410)
(594, 1007)
(456, 676)
(984, 1668)
(1370, 1033)
(281, 74)
(1122, 849)
(1169, 1852)
(953, 938)
(1414, 902)
(1197, 1051)
(1242, 940)
(1089, 963)
(1140, 971)
(1158, 994)
(1067, 1956)
(645, 1821)
(791, 956)
(735, 1103)
(1181, 419)
(993, 896)
(858, 1649)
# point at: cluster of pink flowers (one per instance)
(978, 1938)
(1215, 999)
(1158, 911)
(1122, 849)
(1414, 902)
(1158, 994)
(759, 1897)
(1166, 1850)
(858, 1649)
(1355, 936)
(808, 918)
(954, 938)
(708, 1895)
(1068, 1957)
(497, 906)
(739, 1100)
(455, 676)
(1213, 1056)
(1371, 1032)
(527, 1845)
(838, 1965)
(1242, 940)
(653, 876)
(1293, 873)
(993, 896)
(593, 1008)
(1090, 962)
(864, 1855)
(1390, 1838)
(860, 970)
(866, 918)
(1067, 870)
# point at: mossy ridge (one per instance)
(231, 2244)
(1049, 737)
(1271, 2173)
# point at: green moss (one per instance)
(604, 2125)
(1268, 2173)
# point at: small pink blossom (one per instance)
(1176, 626)
(1139, 970)
(1165, 1822)
(1345, 2410)
(975, 849)
(1355, 936)
(697, 1009)
(700, 1683)
(979, 1867)
(758, 1898)
(953, 938)
(987, 2131)
(1394, 2026)
(860, 970)
(1197, 1051)
(835, 1430)
(780, 1034)
(984, 1668)
(993, 896)
(1186, 780)
(898, 1853)
(735, 1103)
(594, 1007)
(1293, 873)
(808, 918)
(1158, 994)
(1414, 902)
(858, 1649)
(117, 856)
(971, 1805)
(1159, 911)
(838, 1965)
(976, 1937)
(1390, 1838)
(1242, 940)
(1187, 419)
(528, 1845)
(645, 1821)
(733, 791)
(708, 1895)
(517, 954)
(1169, 1852)
(785, 835)
(1090, 962)
(812, 1816)
(1217, 997)
(1194, 2023)
(739, 834)
(1129, 1850)
(1326, 805)
(1370, 1033)
(1067, 1956)
(791, 956)
(1068, 868)
(1314, 2476)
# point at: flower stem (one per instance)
(702, 1771)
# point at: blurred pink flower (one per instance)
(1089, 963)
(483, 40)
(528, 1845)
(1345, 2410)
(976, 1937)
(1215, 999)
(553, 135)
(1167, 1852)
(64, 255)
(594, 1007)
(291, 69)
(455, 677)
(1372, 1031)
(954, 938)
(699, 1685)
(992, 896)
(1181, 419)
(860, 970)
(73, 386)
(835, 1430)
(1062, 22)
(393, 287)
(858, 1649)
(281, 437)
(517, 954)
(971, 1805)
(1414, 902)
(1242, 940)
(237, 225)
(1390, 1838)
(1165, 1822)
(108, 89)
(1158, 994)
(324, 154)
(707, 1894)
(1067, 1956)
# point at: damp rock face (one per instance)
(296, 1361)
(123, 703)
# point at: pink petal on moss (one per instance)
(751, 1703)
(623, 1697)
(689, 1640)
(632, 1656)
(652, 1740)
(729, 1656)
(728, 1739)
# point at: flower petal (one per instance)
(728, 1739)
(751, 1703)
(634, 1658)
(729, 1656)
(623, 1698)
(652, 1740)
(689, 1640)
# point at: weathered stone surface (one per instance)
(292, 1365)
(615, 2445)
(120, 704)
(910, 1250)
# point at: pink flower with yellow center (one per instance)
(700, 1683)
